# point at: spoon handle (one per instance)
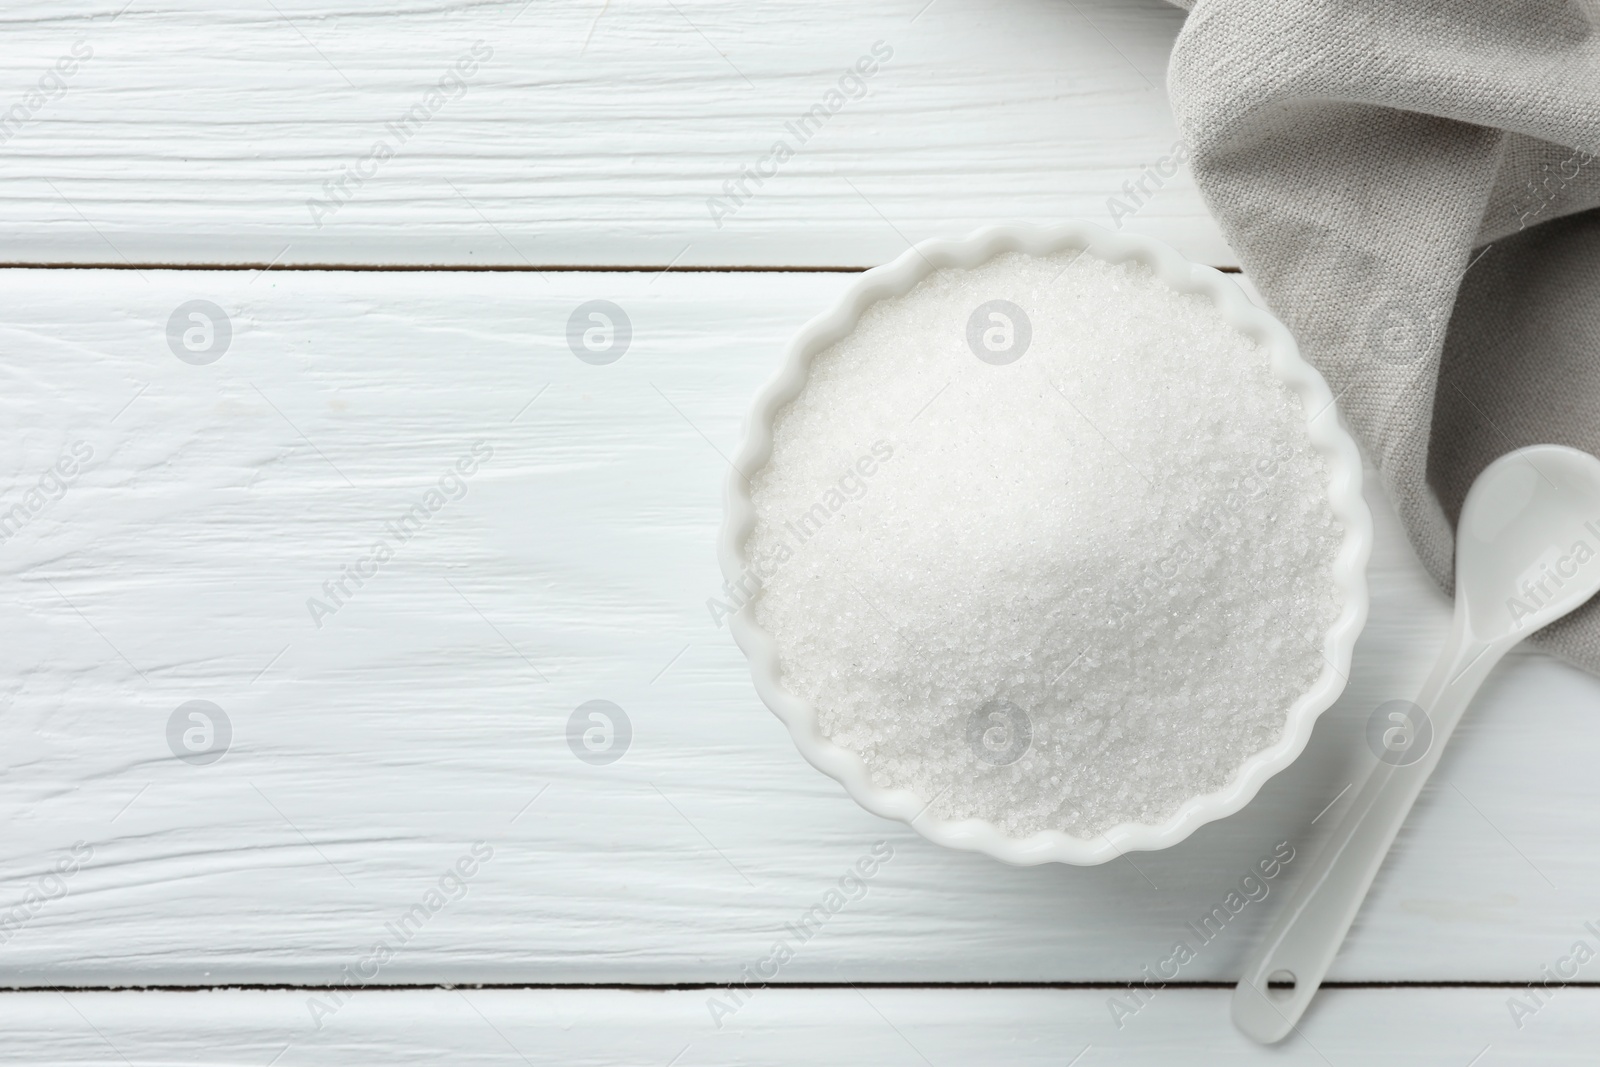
(1308, 931)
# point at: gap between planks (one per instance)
(674, 987)
(560, 268)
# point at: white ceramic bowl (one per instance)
(1326, 433)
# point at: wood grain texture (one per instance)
(1047, 1028)
(431, 710)
(591, 134)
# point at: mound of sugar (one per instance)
(1046, 543)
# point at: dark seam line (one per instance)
(356, 268)
(403, 987)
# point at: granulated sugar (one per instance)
(1061, 590)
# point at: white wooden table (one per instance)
(397, 770)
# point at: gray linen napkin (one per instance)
(1409, 185)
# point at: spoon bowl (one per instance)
(1528, 543)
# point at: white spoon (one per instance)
(1527, 553)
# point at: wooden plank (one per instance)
(600, 1028)
(576, 134)
(431, 710)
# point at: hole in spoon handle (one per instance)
(1284, 975)
(1267, 1010)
